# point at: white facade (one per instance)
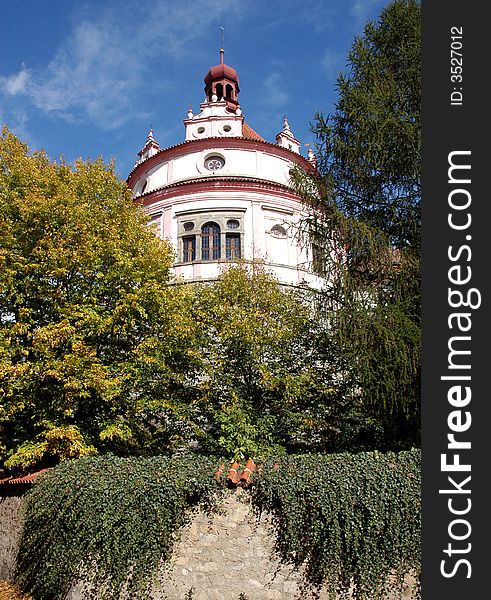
(224, 193)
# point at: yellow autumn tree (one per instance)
(86, 358)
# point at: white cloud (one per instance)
(100, 72)
(173, 27)
(16, 84)
(333, 62)
(275, 95)
(92, 72)
(18, 124)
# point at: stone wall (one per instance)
(218, 557)
(10, 531)
(228, 554)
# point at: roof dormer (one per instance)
(150, 148)
(286, 139)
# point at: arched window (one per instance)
(229, 92)
(215, 235)
(210, 241)
(219, 91)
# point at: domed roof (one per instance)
(219, 72)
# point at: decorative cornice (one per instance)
(204, 184)
(238, 143)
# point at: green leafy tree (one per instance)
(365, 224)
(370, 147)
(268, 384)
(87, 362)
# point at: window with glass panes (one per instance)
(232, 246)
(210, 241)
(189, 248)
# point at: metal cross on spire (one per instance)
(222, 50)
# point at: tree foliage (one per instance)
(102, 351)
(269, 382)
(365, 220)
(85, 307)
(370, 147)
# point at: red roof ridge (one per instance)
(29, 478)
(233, 476)
(247, 472)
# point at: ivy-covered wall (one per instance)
(221, 556)
(218, 557)
(312, 526)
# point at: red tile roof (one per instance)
(29, 478)
(249, 133)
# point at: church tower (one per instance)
(224, 193)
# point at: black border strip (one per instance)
(457, 123)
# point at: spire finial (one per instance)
(222, 49)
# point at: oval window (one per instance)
(200, 130)
(214, 163)
(189, 226)
(278, 231)
(227, 128)
(233, 224)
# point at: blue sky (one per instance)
(88, 78)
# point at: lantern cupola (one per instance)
(222, 84)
